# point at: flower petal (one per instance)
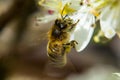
(117, 19)
(117, 74)
(83, 30)
(108, 22)
(52, 4)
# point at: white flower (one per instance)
(110, 20)
(83, 30)
(59, 7)
(53, 5)
(109, 16)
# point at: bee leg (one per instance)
(67, 47)
(70, 45)
(73, 26)
(77, 22)
(73, 43)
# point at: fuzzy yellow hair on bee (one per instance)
(59, 43)
(58, 40)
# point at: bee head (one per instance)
(60, 24)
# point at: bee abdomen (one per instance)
(56, 54)
(57, 60)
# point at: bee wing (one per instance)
(83, 30)
(36, 33)
(46, 19)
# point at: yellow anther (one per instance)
(94, 12)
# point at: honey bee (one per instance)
(59, 43)
(59, 35)
(67, 32)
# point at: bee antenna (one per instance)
(65, 17)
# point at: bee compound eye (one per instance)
(61, 26)
(56, 22)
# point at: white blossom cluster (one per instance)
(107, 12)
